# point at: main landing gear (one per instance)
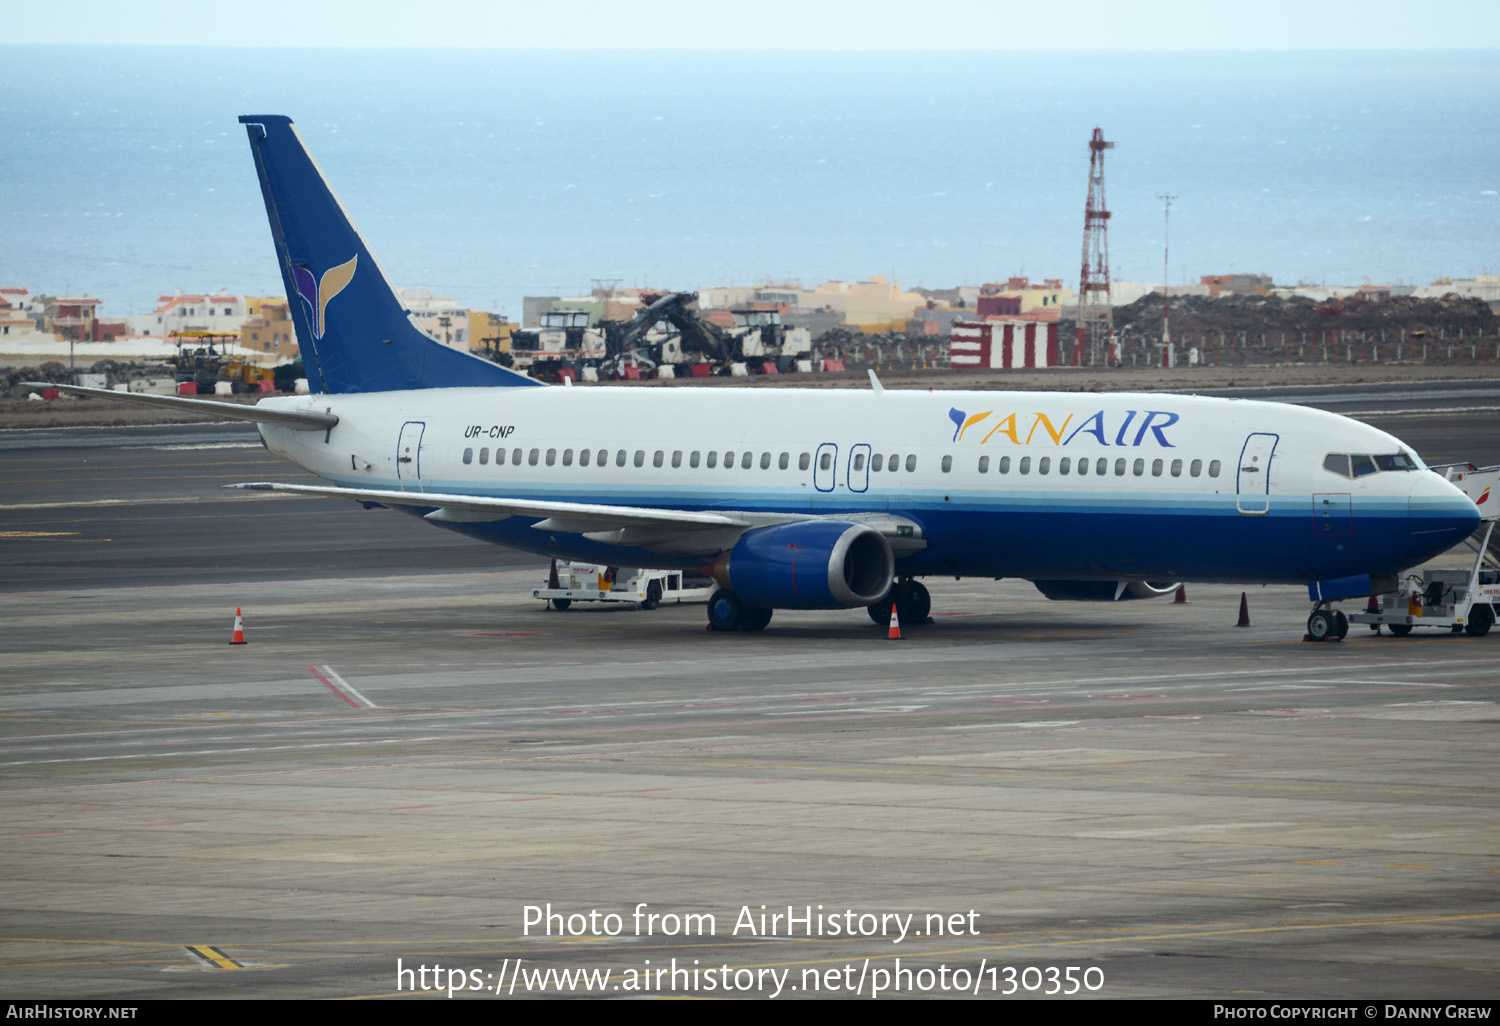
(1327, 624)
(727, 613)
(913, 604)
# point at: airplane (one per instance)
(819, 498)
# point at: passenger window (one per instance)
(583, 457)
(620, 458)
(804, 461)
(877, 462)
(499, 457)
(1176, 468)
(658, 459)
(484, 456)
(515, 457)
(1139, 468)
(1063, 465)
(1083, 467)
(603, 460)
(785, 461)
(1025, 466)
(729, 461)
(713, 460)
(693, 460)
(551, 457)
(1156, 466)
(1120, 467)
(640, 457)
(1213, 469)
(765, 461)
(567, 457)
(1197, 468)
(746, 459)
(1363, 465)
(947, 464)
(676, 458)
(984, 464)
(469, 455)
(825, 461)
(534, 456)
(859, 462)
(1044, 464)
(1004, 465)
(911, 464)
(894, 464)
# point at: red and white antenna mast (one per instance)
(1096, 321)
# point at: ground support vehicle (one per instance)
(588, 582)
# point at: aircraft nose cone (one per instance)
(1438, 513)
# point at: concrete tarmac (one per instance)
(410, 753)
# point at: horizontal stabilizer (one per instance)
(297, 420)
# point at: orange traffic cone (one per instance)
(552, 581)
(1244, 611)
(239, 630)
(1373, 607)
(1181, 599)
(895, 632)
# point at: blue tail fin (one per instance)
(353, 330)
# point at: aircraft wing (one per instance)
(563, 516)
(294, 419)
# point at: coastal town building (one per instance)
(180, 312)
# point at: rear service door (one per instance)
(409, 456)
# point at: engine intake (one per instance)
(809, 564)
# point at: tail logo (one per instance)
(316, 292)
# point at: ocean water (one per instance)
(489, 176)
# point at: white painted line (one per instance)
(341, 682)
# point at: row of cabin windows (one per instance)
(746, 460)
(1101, 467)
(878, 462)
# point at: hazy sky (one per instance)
(766, 24)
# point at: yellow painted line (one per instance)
(214, 956)
(37, 534)
(1408, 867)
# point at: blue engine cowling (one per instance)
(1103, 591)
(809, 564)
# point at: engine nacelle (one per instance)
(809, 564)
(1103, 591)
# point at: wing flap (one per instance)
(471, 508)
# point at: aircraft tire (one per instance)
(754, 619)
(561, 604)
(880, 612)
(724, 611)
(1320, 625)
(653, 596)
(1481, 619)
(1341, 624)
(919, 606)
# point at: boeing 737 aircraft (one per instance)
(821, 498)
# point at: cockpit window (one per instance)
(1337, 462)
(1360, 465)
